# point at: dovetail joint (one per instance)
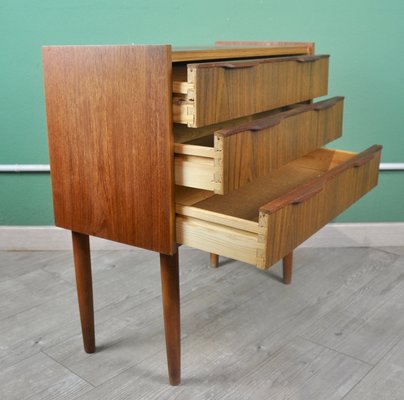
(262, 237)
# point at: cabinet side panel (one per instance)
(110, 142)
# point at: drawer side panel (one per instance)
(219, 239)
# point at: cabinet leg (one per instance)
(171, 309)
(287, 268)
(214, 260)
(82, 264)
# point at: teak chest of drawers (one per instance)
(217, 148)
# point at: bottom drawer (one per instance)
(268, 218)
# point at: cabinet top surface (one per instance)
(222, 52)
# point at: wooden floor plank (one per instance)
(29, 290)
(385, 381)
(40, 378)
(130, 338)
(367, 323)
(18, 263)
(244, 334)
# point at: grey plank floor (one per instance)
(336, 333)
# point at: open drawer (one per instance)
(267, 219)
(227, 159)
(208, 93)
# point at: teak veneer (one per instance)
(218, 148)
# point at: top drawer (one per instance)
(209, 93)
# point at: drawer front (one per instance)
(301, 197)
(293, 218)
(250, 151)
(226, 90)
(245, 152)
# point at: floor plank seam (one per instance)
(339, 352)
(64, 366)
(99, 310)
(382, 250)
(360, 380)
(107, 380)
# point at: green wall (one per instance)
(364, 37)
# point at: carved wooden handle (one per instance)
(323, 105)
(264, 124)
(238, 65)
(363, 161)
(306, 59)
(306, 196)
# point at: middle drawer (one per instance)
(227, 159)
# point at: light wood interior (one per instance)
(245, 202)
(265, 220)
(183, 134)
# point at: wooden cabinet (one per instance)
(217, 148)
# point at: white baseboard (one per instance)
(34, 238)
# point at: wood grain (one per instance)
(287, 268)
(333, 169)
(82, 263)
(213, 260)
(306, 194)
(290, 222)
(386, 380)
(228, 346)
(110, 141)
(248, 150)
(262, 146)
(245, 202)
(243, 51)
(171, 306)
(217, 238)
(183, 134)
(40, 377)
(222, 93)
(308, 46)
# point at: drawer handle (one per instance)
(238, 65)
(306, 196)
(307, 59)
(265, 124)
(323, 105)
(363, 161)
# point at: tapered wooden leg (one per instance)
(171, 307)
(287, 268)
(82, 264)
(214, 260)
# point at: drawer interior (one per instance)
(244, 203)
(268, 218)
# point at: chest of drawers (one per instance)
(216, 148)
